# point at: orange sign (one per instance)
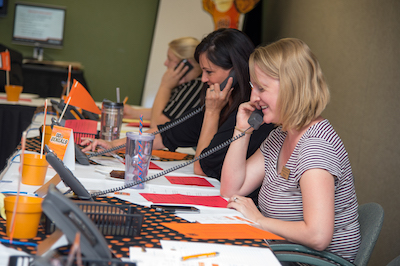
(62, 144)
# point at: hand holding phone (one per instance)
(186, 63)
(256, 119)
(231, 74)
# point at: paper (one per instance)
(145, 123)
(169, 154)
(228, 255)
(20, 99)
(153, 166)
(208, 218)
(221, 231)
(189, 181)
(210, 201)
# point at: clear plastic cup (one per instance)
(137, 157)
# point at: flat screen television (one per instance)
(39, 25)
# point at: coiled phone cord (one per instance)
(165, 128)
(201, 156)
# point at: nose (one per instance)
(204, 78)
(254, 98)
(166, 62)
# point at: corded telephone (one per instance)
(72, 112)
(70, 219)
(66, 175)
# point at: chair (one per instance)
(394, 262)
(370, 217)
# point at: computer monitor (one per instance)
(39, 25)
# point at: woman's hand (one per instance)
(129, 111)
(245, 206)
(217, 99)
(243, 114)
(93, 143)
(173, 77)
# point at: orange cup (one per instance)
(27, 217)
(34, 169)
(47, 134)
(13, 92)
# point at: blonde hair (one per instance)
(184, 47)
(303, 92)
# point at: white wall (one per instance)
(175, 19)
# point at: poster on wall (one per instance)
(226, 13)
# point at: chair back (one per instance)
(394, 262)
(370, 217)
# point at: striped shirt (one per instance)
(183, 98)
(319, 147)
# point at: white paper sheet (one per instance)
(228, 255)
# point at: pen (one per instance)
(122, 193)
(198, 256)
(119, 158)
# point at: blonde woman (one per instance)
(307, 190)
(178, 92)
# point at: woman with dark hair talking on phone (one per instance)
(219, 54)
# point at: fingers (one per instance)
(91, 144)
(233, 202)
(234, 199)
(88, 143)
(181, 70)
(228, 84)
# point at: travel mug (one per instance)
(111, 120)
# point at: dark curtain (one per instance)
(14, 119)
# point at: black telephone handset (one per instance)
(70, 219)
(231, 74)
(70, 113)
(187, 63)
(66, 175)
(256, 119)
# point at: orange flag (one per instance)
(5, 63)
(81, 98)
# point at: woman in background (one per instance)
(178, 92)
(307, 190)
